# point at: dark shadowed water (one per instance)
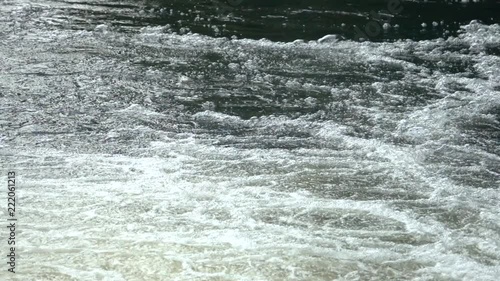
(286, 20)
(181, 140)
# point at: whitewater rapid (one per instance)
(144, 154)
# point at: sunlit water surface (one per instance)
(144, 154)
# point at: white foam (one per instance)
(319, 195)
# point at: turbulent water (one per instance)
(147, 150)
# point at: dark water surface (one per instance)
(184, 141)
(310, 20)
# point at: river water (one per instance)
(155, 143)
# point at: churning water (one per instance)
(146, 151)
